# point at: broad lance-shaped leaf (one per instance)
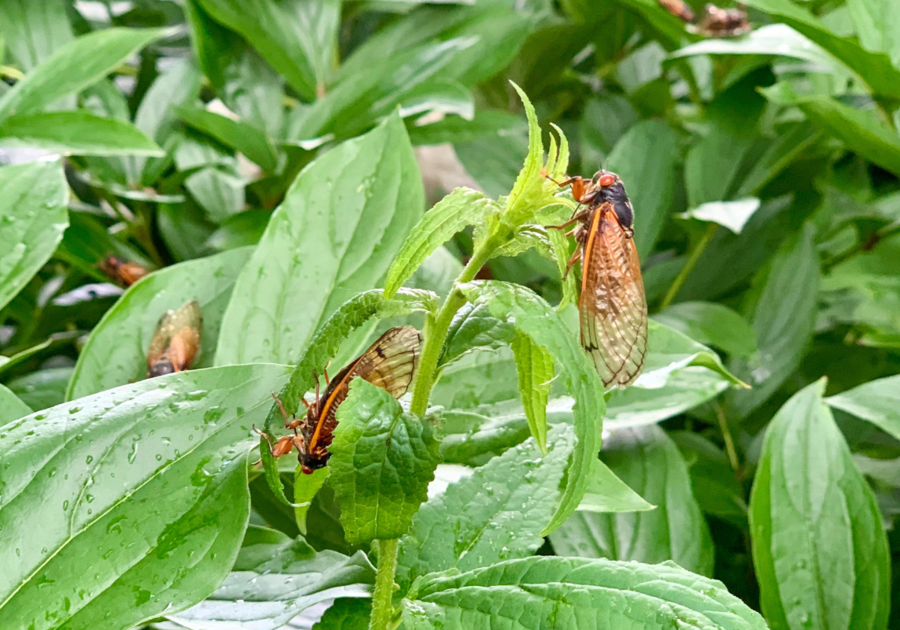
(648, 461)
(74, 67)
(534, 366)
(607, 493)
(819, 548)
(876, 401)
(78, 133)
(495, 514)
(532, 316)
(346, 614)
(275, 578)
(712, 324)
(33, 216)
(352, 315)
(452, 214)
(145, 484)
(238, 135)
(339, 227)
(382, 460)
(116, 351)
(11, 406)
(33, 30)
(713, 479)
(859, 130)
(874, 68)
(576, 593)
(783, 324)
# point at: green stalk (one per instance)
(436, 329)
(689, 266)
(382, 607)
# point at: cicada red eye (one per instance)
(607, 180)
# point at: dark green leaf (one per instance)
(456, 129)
(859, 130)
(715, 485)
(346, 614)
(603, 123)
(239, 230)
(147, 485)
(275, 578)
(876, 401)
(33, 216)
(116, 352)
(783, 317)
(77, 133)
(820, 552)
(534, 317)
(577, 592)
(452, 214)
(74, 67)
(498, 513)
(238, 135)
(42, 389)
(340, 226)
(382, 461)
(874, 68)
(711, 324)
(296, 37)
(648, 461)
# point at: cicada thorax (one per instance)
(612, 306)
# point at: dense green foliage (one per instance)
(312, 172)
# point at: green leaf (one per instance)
(495, 514)
(874, 68)
(783, 326)
(452, 214)
(577, 592)
(820, 552)
(346, 614)
(535, 369)
(532, 316)
(340, 226)
(604, 121)
(715, 485)
(494, 161)
(730, 214)
(382, 460)
(73, 67)
(607, 493)
(305, 489)
(712, 324)
(456, 129)
(239, 230)
(33, 216)
(238, 135)
(877, 402)
(648, 461)
(645, 158)
(296, 37)
(790, 143)
(33, 30)
(11, 407)
(42, 389)
(116, 352)
(672, 351)
(859, 130)
(274, 579)
(147, 485)
(877, 26)
(76, 133)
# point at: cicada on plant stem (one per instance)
(176, 340)
(612, 306)
(123, 272)
(389, 363)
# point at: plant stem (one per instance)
(689, 265)
(436, 329)
(729, 441)
(862, 246)
(382, 607)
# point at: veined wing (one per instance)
(612, 307)
(177, 336)
(389, 363)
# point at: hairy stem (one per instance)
(436, 330)
(689, 265)
(382, 607)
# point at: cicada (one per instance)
(719, 22)
(678, 8)
(123, 272)
(389, 363)
(612, 306)
(176, 340)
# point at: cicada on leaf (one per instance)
(612, 306)
(176, 340)
(389, 363)
(122, 272)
